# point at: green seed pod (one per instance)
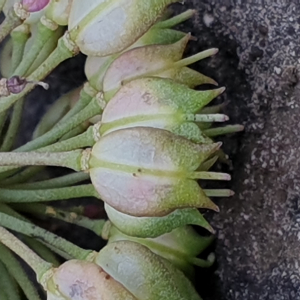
(105, 27)
(145, 171)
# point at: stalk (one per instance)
(43, 235)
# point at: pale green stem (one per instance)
(69, 217)
(209, 176)
(10, 22)
(58, 131)
(71, 159)
(76, 131)
(82, 102)
(44, 33)
(13, 127)
(47, 49)
(38, 265)
(15, 269)
(8, 285)
(56, 182)
(176, 19)
(60, 54)
(44, 236)
(35, 245)
(2, 3)
(20, 177)
(207, 118)
(83, 140)
(19, 38)
(218, 193)
(212, 132)
(45, 195)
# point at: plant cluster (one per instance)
(136, 135)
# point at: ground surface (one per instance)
(259, 229)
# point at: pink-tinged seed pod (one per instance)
(143, 273)
(82, 280)
(150, 172)
(105, 27)
(34, 5)
(181, 247)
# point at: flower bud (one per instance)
(154, 60)
(149, 172)
(82, 280)
(160, 103)
(144, 274)
(181, 247)
(151, 227)
(34, 5)
(59, 11)
(105, 27)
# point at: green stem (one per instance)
(92, 109)
(19, 37)
(10, 22)
(45, 30)
(36, 263)
(176, 19)
(71, 159)
(8, 285)
(44, 236)
(76, 131)
(20, 177)
(83, 140)
(2, 3)
(13, 127)
(69, 217)
(56, 182)
(212, 132)
(15, 269)
(64, 50)
(45, 195)
(86, 96)
(218, 193)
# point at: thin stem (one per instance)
(69, 217)
(10, 22)
(176, 19)
(45, 195)
(210, 176)
(38, 265)
(58, 131)
(207, 118)
(76, 131)
(218, 193)
(83, 140)
(45, 31)
(212, 132)
(205, 166)
(69, 159)
(44, 236)
(13, 127)
(56, 182)
(60, 54)
(84, 99)
(8, 284)
(13, 265)
(21, 176)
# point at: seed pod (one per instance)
(106, 27)
(149, 172)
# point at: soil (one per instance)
(258, 230)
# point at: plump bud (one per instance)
(160, 103)
(159, 33)
(82, 280)
(151, 227)
(154, 60)
(149, 172)
(181, 247)
(105, 27)
(144, 274)
(34, 5)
